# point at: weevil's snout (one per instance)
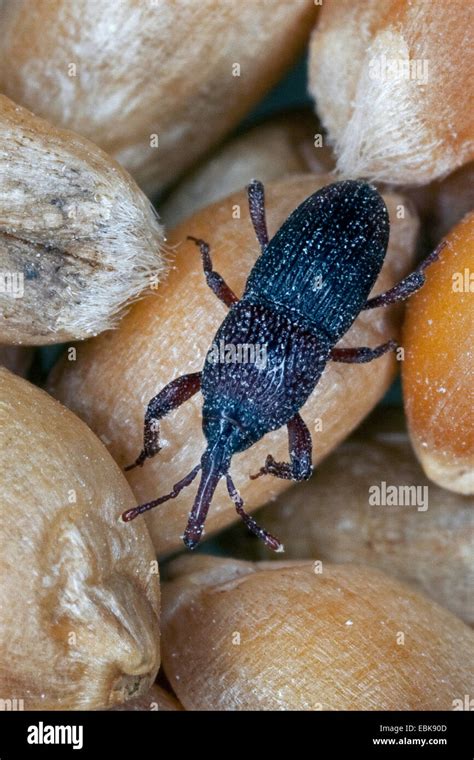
(214, 464)
(192, 535)
(227, 426)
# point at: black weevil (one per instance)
(305, 290)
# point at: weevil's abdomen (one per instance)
(259, 372)
(322, 263)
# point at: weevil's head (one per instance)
(225, 436)
(229, 430)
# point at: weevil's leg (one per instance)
(173, 395)
(406, 287)
(130, 514)
(216, 283)
(251, 524)
(256, 197)
(300, 445)
(362, 354)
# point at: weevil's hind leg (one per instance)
(173, 395)
(406, 287)
(250, 523)
(361, 355)
(256, 197)
(300, 445)
(216, 283)
(130, 514)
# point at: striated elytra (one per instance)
(309, 284)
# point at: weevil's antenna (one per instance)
(271, 541)
(130, 514)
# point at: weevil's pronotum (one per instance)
(305, 290)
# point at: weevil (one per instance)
(307, 287)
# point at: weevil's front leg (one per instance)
(406, 287)
(300, 445)
(173, 395)
(256, 197)
(216, 283)
(249, 522)
(362, 354)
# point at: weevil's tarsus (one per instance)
(300, 446)
(271, 541)
(433, 256)
(256, 199)
(130, 514)
(215, 281)
(171, 397)
(362, 354)
(406, 287)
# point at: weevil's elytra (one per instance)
(309, 284)
(322, 263)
